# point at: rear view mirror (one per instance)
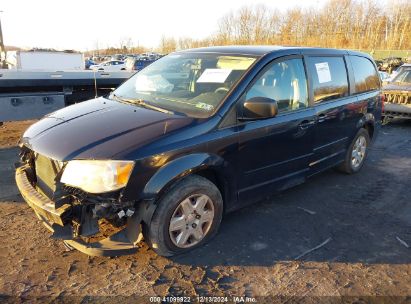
(259, 108)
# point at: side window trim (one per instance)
(350, 74)
(310, 87)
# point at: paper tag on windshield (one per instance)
(204, 106)
(323, 72)
(214, 76)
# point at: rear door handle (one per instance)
(321, 118)
(306, 124)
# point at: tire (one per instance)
(348, 165)
(191, 191)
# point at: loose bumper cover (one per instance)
(122, 242)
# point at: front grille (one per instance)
(403, 98)
(46, 171)
(78, 193)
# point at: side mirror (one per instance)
(259, 108)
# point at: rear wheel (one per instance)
(187, 216)
(356, 153)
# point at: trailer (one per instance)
(31, 94)
(45, 60)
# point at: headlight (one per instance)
(97, 176)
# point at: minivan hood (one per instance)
(99, 129)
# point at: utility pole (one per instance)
(3, 63)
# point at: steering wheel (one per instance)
(221, 90)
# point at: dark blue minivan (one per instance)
(194, 135)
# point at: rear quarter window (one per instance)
(365, 75)
(329, 78)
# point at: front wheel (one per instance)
(187, 216)
(356, 153)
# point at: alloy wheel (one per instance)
(191, 220)
(358, 152)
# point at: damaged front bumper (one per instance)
(59, 221)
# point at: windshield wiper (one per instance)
(142, 103)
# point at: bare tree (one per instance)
(167, 45)
(352, 24)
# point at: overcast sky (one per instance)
(81, 25)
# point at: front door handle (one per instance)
(321, 118)
(306, 124)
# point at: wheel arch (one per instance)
(214, 175)
(368, 123)
(369, 126)
(205, 165)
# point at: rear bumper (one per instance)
(120, 243)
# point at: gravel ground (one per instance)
(362, 218)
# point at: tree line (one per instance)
(351, 24)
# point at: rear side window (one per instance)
(365, 75)
(329, 78)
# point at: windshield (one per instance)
(193, 84)
(403, 76)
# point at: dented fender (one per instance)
(177, 169)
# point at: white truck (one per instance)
(45, 60)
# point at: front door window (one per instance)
(285, 82)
